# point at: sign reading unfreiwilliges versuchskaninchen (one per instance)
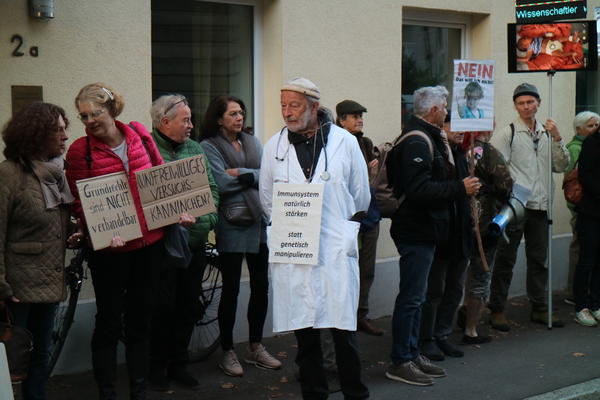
(170, 189)
(549, 10)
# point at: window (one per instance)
(201, 50)
(428, 52)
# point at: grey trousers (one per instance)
(367, 255)
(535, 229)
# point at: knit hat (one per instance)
(304, 86)
(526, 89)
(349, 107)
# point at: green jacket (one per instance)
(574, 147)
(189, 148)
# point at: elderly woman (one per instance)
(586, 282)
(125, 275)
(234, 158)
(585, 123)
(34, 216)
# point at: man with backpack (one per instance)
(524, 145)
(418, 170)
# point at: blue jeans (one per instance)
(415, 263)
(38, 318)
(586, 282)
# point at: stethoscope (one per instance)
(325, 176)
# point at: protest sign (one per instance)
(108, 208)
(170, 189)
(296, 223)
(473, 96)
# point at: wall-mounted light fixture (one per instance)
(41, 9)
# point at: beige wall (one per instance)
(350, 48)
(87, 41)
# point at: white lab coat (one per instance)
(323, 295)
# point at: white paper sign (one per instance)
(473, 96)
(296, 223)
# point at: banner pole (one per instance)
(550, 196)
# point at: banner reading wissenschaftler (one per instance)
(473, 96)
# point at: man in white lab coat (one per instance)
(307, 298)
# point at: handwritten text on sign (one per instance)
(108, 208)
(296, 223)
(174, 188)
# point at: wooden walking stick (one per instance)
(474, 211)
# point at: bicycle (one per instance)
(206, 336)
(75, 273)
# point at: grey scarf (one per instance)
(54, 184)
(247, 158)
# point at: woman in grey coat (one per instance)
(234, 158)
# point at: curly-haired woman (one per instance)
(34, 217)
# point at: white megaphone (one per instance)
(514, 210)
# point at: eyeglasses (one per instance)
(234, 114)
(85, 117)
(182, 100)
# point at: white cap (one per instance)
(304, 86)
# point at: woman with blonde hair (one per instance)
(125, 275)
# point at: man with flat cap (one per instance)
(311, 150)
(350, 117)
(524, 145)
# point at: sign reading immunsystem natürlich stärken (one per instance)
(549, 10)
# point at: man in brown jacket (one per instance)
(350, 117)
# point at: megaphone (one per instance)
(514, 210)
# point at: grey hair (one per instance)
(160, 105)
(427, 97)
(583, 117)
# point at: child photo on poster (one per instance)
(473, 96)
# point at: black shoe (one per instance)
(430, 350)
(182, 376)
(157, 379)
(449, 349)
(475, 339)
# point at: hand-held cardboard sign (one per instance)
(473, 96)
(295, 230)
(108, 208)
(170, 189)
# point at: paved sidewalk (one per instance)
(529, 360)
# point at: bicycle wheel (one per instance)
(74, 275)
(206, 336)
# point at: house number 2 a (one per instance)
(18, 39)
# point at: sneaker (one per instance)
(474, 340)
(261, 358)
(409, 373)
(585, 318)
(431, 350)
(499, 322)
(596, 314)
(449, 349)
(428, 368)
(541, 317)
(182, 376)
(230, 364)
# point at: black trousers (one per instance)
(125, 288)
(231, 272)
(310, 363)
(177, 310)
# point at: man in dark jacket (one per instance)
(418, 171)
(350, 117)
(447, 275)
(177, 306)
